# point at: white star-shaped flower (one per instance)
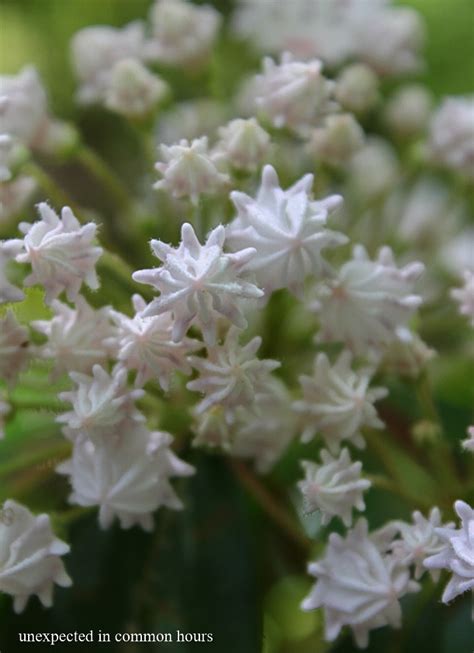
(287, 230)
(30, 556)
(199, 283)
(334, 487)
(337, 402)
(61, 253)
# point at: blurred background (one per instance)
(211, 568)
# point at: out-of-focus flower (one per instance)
(101, 403)
(213, 428)
(451, 141)
(95, 52)
(373, 170)
(61, 253)
(457, 556)
(243, 144)
(357, 88)
(337, 402)
(132, 90)
(182, 33)
(465, 296)
(366, 303)
(293, 93)
(231, 375)
(5, 150)
(199, 283)
(263, 431)
(14, 194)
(408, 110)
(5, 408)
(334, 487)
(9, 249)
(24, 114)
(456, 253)
(287, 230)
(188, 170)
(14, 343)
(468, 443)
(145, 344)
(358, 586)
(128, 479)
(77, 337)
(337, 140)
(407, 354)
(190, 119)
(30, 557)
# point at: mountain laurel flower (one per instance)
(145, 344)
(451, 139)
(465, 296)
(357, 88)
(95, 52)
(9, 249)
(182, 33)
(334, 487)
(408, 111)
(368, 301)
(337, 402)
(337, 140)
(14, 347)
(263, 431)
(419, 540)
(100, 404)
(199, 283)
(468, 443)
(231, 374)
(287, 230)
(457, 556)
(5, 150)
(358, 586)
(30, 557)
(5, 408)
(188, 170)
(128, 479)
(132, 90)
(243, 144)
(293, 93)
(61, 253)
(78, 337)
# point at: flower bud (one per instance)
(357, 88)
(243, 144)
(337, 141)
(408, 110)
(133, 91)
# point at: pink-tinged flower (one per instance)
(199, 283)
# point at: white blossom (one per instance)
(334, 487)
(337, 402)
(451, 141)
(418, 540)
(182, 33)
(407, 355)
(294, 93)
(61, 253)
(30, 556)
(14, 194)
(128, 478)
(365, 304)
(373, 170)
(468, 443)
(8, 251)
(100, 404)
(243, 144)
(337, 140)
(231, 375)
(132, 90)
(457, 556)
(14, 344)
(199, 283)
(357, 88)
(188, 170)
(5, 150)
(145, 344)
(95, 52)
(287, 230)
(213, 428)
(408, 110)
(465, 296)
(77, 337)
(358, 586)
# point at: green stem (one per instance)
(58, 452)
(53, 192)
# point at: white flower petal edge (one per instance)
(30, 554)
